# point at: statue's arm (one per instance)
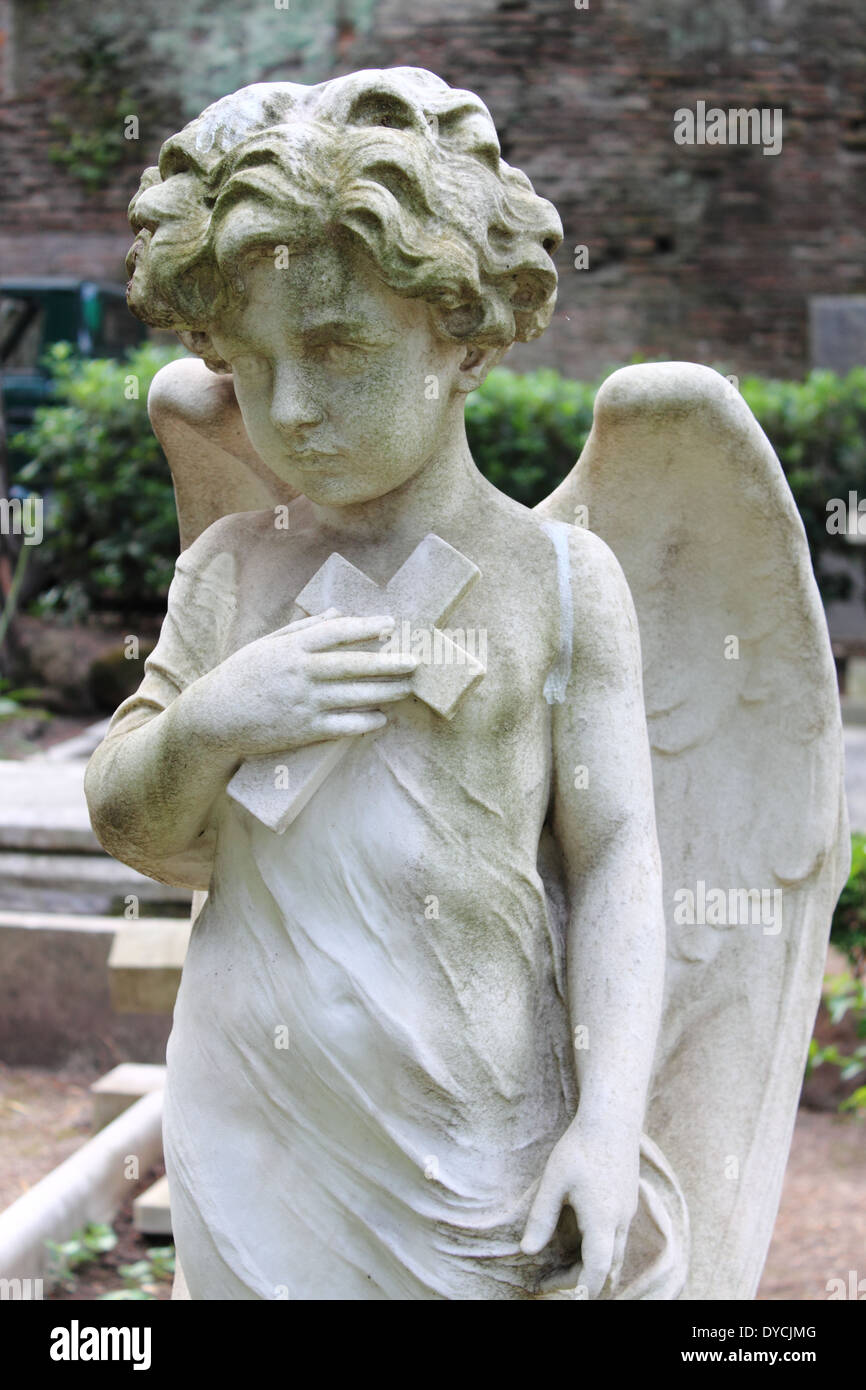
(607, 836)
(153, 781)
(604, 822)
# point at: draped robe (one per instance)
(369, 1065)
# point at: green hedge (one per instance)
(818, 429)
(525, 432)
(848, 931)
(111, 535)
(110, 528)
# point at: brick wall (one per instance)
(703, 252)
(708, 253)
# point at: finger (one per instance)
(596, 1253)
(363, 694)
(338, 666)
(345, 723)
(543, 1217)
(300, 623)
(332, 632)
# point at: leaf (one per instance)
(856, 1101)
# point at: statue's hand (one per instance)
(300, 685)
(595, 1172)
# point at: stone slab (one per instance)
(151, 1211)
(837, 331)
(42, 807)
(55, 1006)
(122, 1087)
(80, 746)
(90, 884)
(145, 965)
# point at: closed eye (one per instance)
(340, 354)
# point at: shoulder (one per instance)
(605, 625)
(595, 574)
(218, 557)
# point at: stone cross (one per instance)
(422, 593)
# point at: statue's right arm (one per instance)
(150, 793)
(152, 783)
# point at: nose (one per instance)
(294, 405)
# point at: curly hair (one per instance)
(393, 159)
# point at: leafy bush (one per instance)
(844, 994)
(818, 429)
(110, 530)
(85, 1246)
(111, 535)
(848, 931)
(14, 703)
(141, 1280)
(526, 431)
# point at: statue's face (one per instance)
(344, 387)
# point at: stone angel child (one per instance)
(440, 1032)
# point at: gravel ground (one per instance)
(821, 1228)
(44, 1117)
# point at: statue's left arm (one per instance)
(604, 822)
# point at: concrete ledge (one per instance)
(55, 1004)
(43, 807)
(89, 1186)
(151, 1212)
(81, 883)
(122, 1087)
(81, 746)
(145, 965)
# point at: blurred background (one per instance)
(749, 262)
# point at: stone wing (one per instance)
(215, 469)
(743, 716)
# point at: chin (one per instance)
(339, 491)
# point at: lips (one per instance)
(135, 251)
(311, 458)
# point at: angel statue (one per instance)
(520, 830)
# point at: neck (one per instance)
(443, 488)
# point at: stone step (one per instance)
(122, 1087)
(80, 746)
(85, 883)
(151, 1212)
(145, 965)
(42, 807)
(55, 990)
